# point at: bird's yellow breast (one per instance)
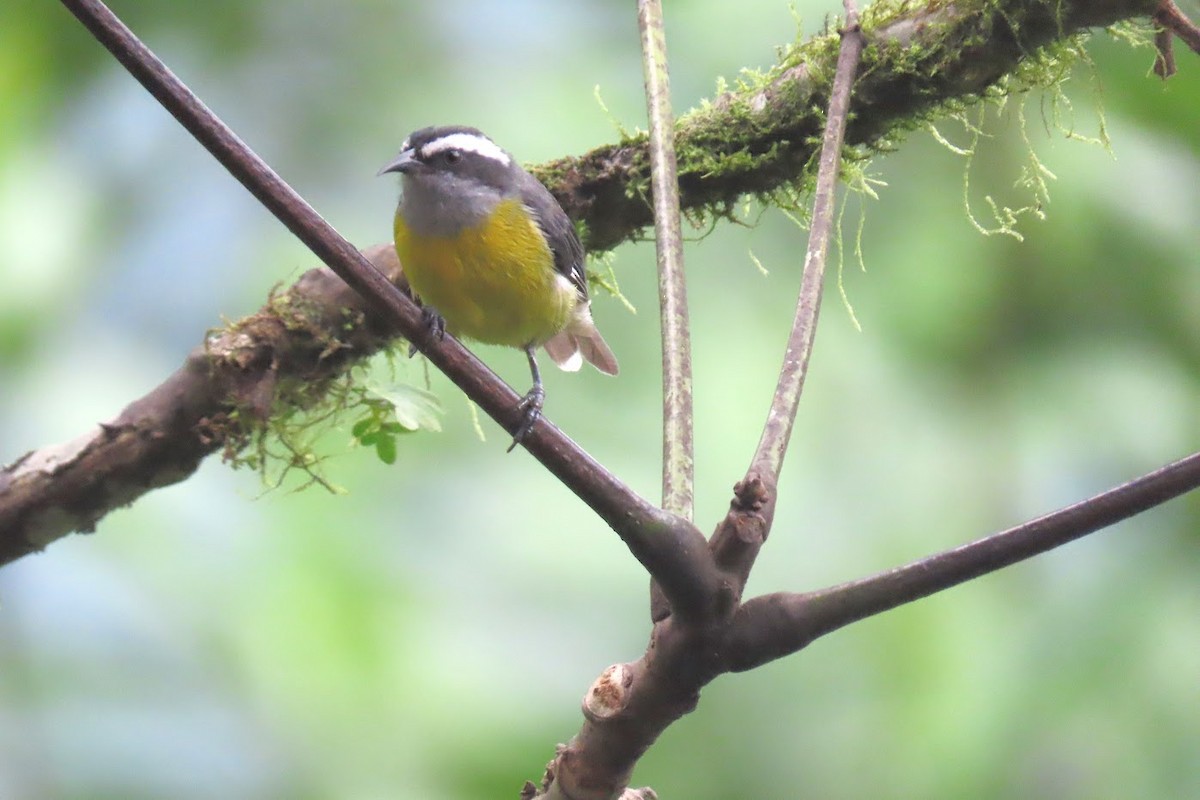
(495, 283)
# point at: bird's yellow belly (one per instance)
(495, 283)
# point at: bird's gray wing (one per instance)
(559, 232)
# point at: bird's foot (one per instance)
(530, 407)
(434, 324)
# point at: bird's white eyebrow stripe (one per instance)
(471, 142)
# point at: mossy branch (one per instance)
(758, 139)
(761, 138)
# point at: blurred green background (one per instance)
(430, 634)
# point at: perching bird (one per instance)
(492, 256)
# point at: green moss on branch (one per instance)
(759, 138)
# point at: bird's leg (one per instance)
(434, 324)
(531, 404)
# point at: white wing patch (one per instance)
(564, 283)
(470, 142)
(573, 363)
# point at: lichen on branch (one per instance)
(760, 137)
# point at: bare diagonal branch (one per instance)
(775, 625)
(670, 548)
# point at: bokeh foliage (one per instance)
(430, 633)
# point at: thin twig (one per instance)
(670, 548)
(1169, 16)
(678, 456)
(772, 446)
(776, 625)
(1170, 22)
(1164, 49)
(739, 537)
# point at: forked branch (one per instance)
(630, 705)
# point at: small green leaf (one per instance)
(412, 407)
(385, 448)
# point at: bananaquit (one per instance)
(492, 256)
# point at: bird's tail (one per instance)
(581, 341)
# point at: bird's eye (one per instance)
(452, 156)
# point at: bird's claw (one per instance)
(434, 324)
(530, 407)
